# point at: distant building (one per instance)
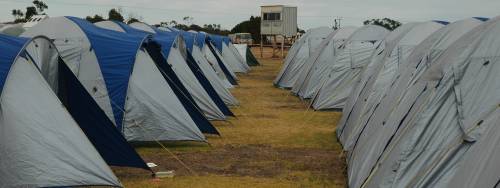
(279, 20)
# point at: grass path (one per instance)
(273, 142)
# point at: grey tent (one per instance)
(448, 137)
(123, 79)
(399, 45)
(353, 105)
(316, 65)
(379, 127)
(298, 54)
(41, 145)
(342, 74)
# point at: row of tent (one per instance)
(74, 94)
(420, 104)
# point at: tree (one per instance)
(37, 9)
(115, 15)
(95, 19)
(132, 20)
(40, 5)
(30, 12)
(385, 22)
(188, 20)
(172, 23)
(208, 28)
(18, 14)
(195, 27)
(300, 31)
(132, 17)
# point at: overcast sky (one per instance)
(311, 13)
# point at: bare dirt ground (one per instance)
(275, 141)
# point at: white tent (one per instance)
(236, 53)
(229, 53)
(298, 55)
(174, 50)
(222, 86)
(246, 53)
(208, 70)
(449, 133)
(41, 145)
(35, 19)
(343, 73)
(216, 60)
(316, 65)
(123, 80)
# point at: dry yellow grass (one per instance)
(273, 142)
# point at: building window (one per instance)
(272, 16)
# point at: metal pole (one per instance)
(274, 46)
(282, 47)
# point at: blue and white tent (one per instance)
(174, 50)
(41, 144)
(215, 58)
(230, 54)
(154, 50)
(207, 69)
(120, 75)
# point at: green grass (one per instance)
(288, 145)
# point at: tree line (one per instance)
(187, 25)
(36, 8)
(251, 26)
